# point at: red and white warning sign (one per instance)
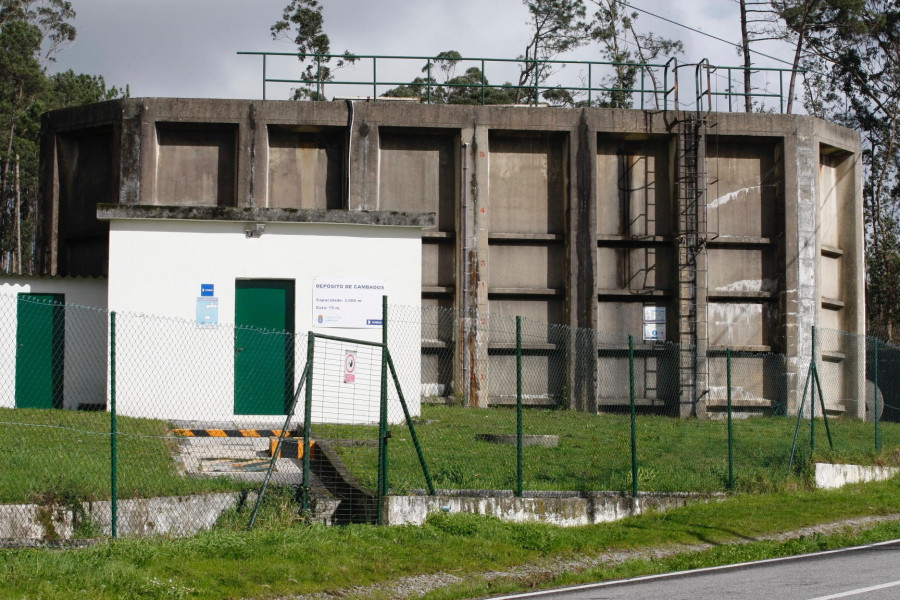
(350, 368)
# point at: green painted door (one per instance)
(263, 346)
(40, 350)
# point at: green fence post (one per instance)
(307, 417)
(382, 427)
(875, 400)
(730, 429)
(113, 468)
(812, 404)
(305, 379)
(634, 461)
(519, 466)
(412, 427)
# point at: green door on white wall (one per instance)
(263, 346)
(40, 350)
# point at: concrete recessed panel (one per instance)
(543, 377)
(527, 266)
(830, 277)
(743, 189)
(735, 324)
(196, 164)
(305, 169)
(418, 172)
(528, 183)
(741, 270)
(625, 317)
(439, 263)
(86, 177)
(633, 191)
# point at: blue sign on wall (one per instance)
(206, 290)
(207, 311)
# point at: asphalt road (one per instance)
(862, 573)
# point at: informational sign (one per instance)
(654, 323)
(347, 302)
(207, 290)
(350, 368)
(207, 311)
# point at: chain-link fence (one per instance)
(134, 424)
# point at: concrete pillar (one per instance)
(581, 286)
(362, 193)
(800, 302)
(476, 264)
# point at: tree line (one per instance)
(845, 61)
(32, 33)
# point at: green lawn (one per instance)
(594, 451)
(63, 455)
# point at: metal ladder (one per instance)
(692, 261)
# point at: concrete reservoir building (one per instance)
(694, 233)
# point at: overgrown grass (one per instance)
(280, 558)
(594, 451)
(61, 456)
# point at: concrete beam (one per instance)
(107, 212)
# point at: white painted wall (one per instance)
(168, 367)
(85, 363)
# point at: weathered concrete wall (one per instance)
(567, 510)
(561, 215)
(830, 476)
(174, 516)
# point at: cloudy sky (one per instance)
(187, 48)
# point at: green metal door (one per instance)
(40, 350)
(263, 346)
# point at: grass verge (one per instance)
(282, 558)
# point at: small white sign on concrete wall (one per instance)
(654, 324)
(349, 303)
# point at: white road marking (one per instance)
(587, 586)
(858, 591)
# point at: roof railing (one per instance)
(654, 86)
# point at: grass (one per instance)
(60, 456)
(282, 557)
(594, 451)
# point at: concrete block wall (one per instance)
(558, 215)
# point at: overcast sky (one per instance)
(187, 48)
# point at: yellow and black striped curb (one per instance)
(231, 433)
(293, 448)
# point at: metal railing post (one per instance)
(590, 84)
(428, 96)
(483, 77)
(374, 79)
